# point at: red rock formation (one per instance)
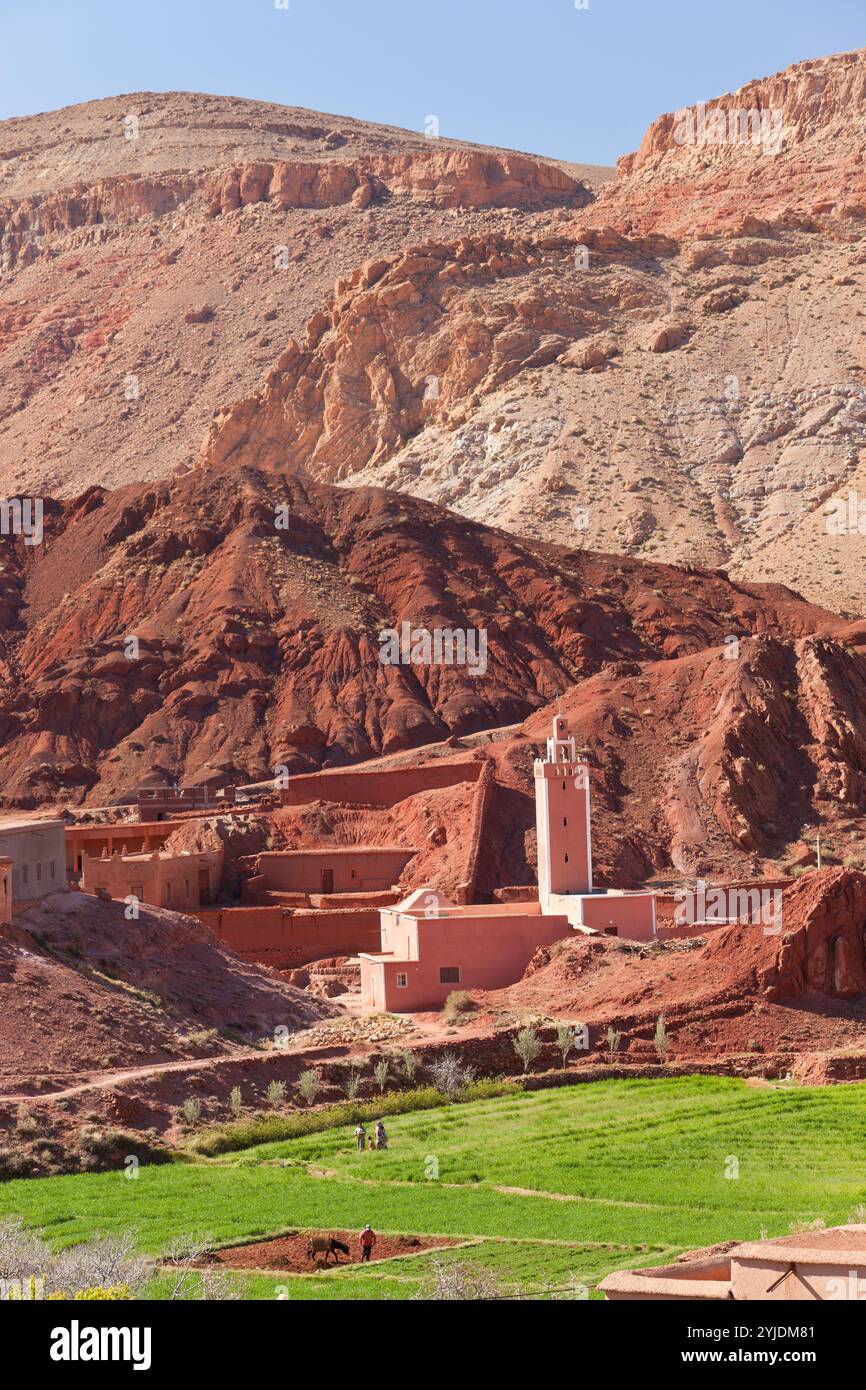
(257, 601)
(762, 150)
(823, 949)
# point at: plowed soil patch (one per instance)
(290, 1252)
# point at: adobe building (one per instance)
(37, 854)
(5, 891)
(816, 1266)
(342, 869)
(92, 841)
(182, 881)
(430, 946)
(158, 803)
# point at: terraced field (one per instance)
(547, 1188)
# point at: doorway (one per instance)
(327, 880)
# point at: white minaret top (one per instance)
(559, 748)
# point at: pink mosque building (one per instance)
(430, 946)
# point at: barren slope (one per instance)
(669, 364)
(230, 622)
(83, 989)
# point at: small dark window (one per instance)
(566, 859)
(449, 975)
(565, 820)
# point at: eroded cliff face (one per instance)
(233, 620)
(787, 144)
(823, 949)
(721, 761)
(669, 363)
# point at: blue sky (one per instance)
(536, 75)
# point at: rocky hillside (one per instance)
(737, 991)
(668, 363)
(726, 760)
(230, 621)
(82, 989)
(158, 251)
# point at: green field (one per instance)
(608, 1175)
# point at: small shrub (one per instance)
(309, 1085)
(382, 1072)
(191, 1110)
(276, 1093)
(565, 1040)
(457, 1003)
(352, 1083)
(236, 1105)
(450, 1075)
(409, 1065)
(614, 1042)
(527, 1045)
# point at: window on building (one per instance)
(449, 975)
(25, 871)
(51, 868)
(136, 890)
(39, 872)
(168, 892)
(566, 859)
(402, 981)
(565, 820)
(186, 887)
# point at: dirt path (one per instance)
(101, 1080)
(314, 1171)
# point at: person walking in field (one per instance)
(368, 1240)
(360, 1137)
(381, 1136)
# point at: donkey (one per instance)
(326, 1245)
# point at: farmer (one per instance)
(368, 1240)
(381, 1136)
(360, 1136)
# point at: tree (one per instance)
(449, 1075)
(459, 1282)
(614, 1041)
(382, 1072)
(527, 1046)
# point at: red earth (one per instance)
(289, 1252)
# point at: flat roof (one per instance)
(332, 853)
(130, 827)
(13, 823)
